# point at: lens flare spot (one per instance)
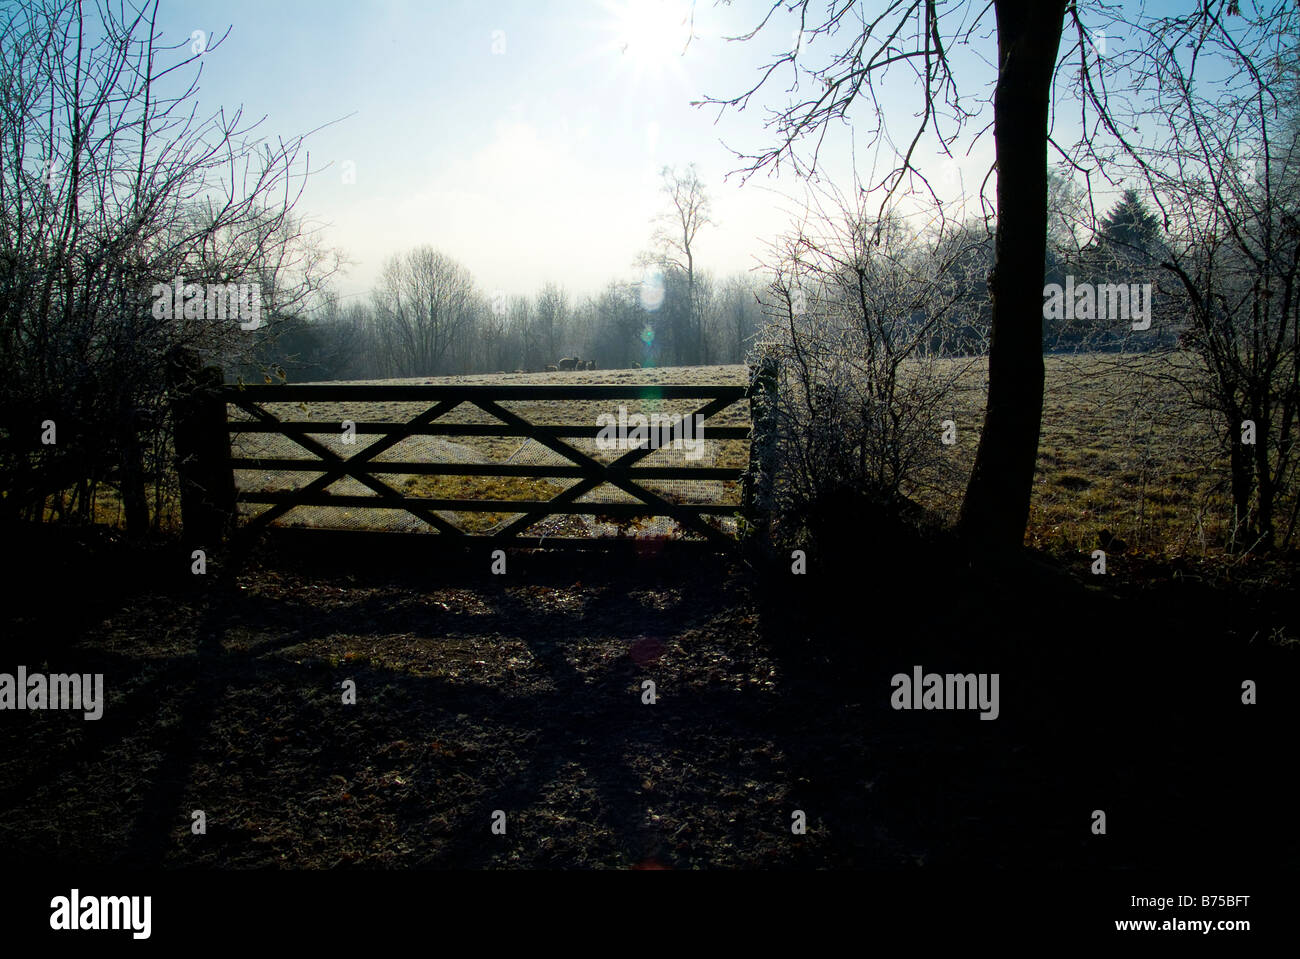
(652, 294)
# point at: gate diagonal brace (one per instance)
(600, 472)
(351, 466)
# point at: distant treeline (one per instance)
(427, 317)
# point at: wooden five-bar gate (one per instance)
(213, 495)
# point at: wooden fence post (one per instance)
(756, 496)
(202, 441)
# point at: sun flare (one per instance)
(651, 33)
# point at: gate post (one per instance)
(202, 443)
(135, 501)
(756, 495)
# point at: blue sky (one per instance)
(525, 139)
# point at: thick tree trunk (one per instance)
(996, 508)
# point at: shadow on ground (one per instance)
(524, 693)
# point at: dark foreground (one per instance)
(524, 693)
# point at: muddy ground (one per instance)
(523, 693)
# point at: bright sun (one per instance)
(652, 33)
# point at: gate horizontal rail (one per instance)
(329, 394)
(487, 506)
(457, 429)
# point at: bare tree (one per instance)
(863, 316)
(910, 36)
(915, 37)
(688, 212)
(520, 318)
(552, 318)
(1223, 168)
(425, 304)
(618, 344)
(739, 315)
(112, 184)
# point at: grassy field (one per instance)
(1121, 452)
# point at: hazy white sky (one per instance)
(525, 138)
